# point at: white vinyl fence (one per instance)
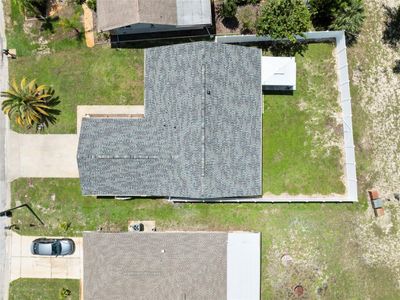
(345, 100)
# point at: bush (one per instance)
(283, 19)
(245, 2)
(228, 9)
(64, 293)
(91, 4)
(247, 16)
(345, 15)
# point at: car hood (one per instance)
(66, 247)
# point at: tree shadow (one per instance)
(284, 48)
(48, 23)
(391, 34)
(396, 67)
(230, 23)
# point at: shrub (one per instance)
(91, 4)
(64, 293)
(228, 9)
(247, 16)
(345, 15)
(283, 19)
(245, 2)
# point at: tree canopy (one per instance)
(284, 19)
(345, 15)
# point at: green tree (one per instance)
(29, 104)
(284, 19)
(228, 9)
(345, 15)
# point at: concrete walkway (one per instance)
(26, 265)
(42, 155)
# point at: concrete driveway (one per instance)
(42, 155)
(26, 265)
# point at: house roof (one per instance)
(170, 265)
(116, 14)
(201, 134)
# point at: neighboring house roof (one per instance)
(116, 14)
(201, 136)
(278, 72)
(171, 265)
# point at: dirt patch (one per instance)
(379, 238)
(295, 268)
(379, 97)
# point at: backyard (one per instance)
(303, 133)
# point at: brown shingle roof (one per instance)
(115, 14)
(156, 265)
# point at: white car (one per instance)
(53, 247)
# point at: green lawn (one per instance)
(321, 238)
(97, 76)
(300, 135)
(42, 289)
(26, 38)
(80, 76)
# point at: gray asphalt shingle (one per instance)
(202, 132)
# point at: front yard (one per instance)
(80, 76)
(325, 241)
(97, 76)
(43, 289)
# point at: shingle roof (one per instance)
(155, 265)
(201, 135)
(115, 14)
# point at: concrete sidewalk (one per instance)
(42, 155)
(26, 265)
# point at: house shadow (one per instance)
(391, 33)
(278, 92)
(157, 39)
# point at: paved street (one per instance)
(3, 184)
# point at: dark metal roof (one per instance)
(201, 136)
(176, 265)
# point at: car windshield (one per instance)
(56, 248)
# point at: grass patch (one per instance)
(28, 35)
(301, 138)
(97, 76)
(80, 76)
(43, 289)
(319, 237)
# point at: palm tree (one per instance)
(29, 104)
